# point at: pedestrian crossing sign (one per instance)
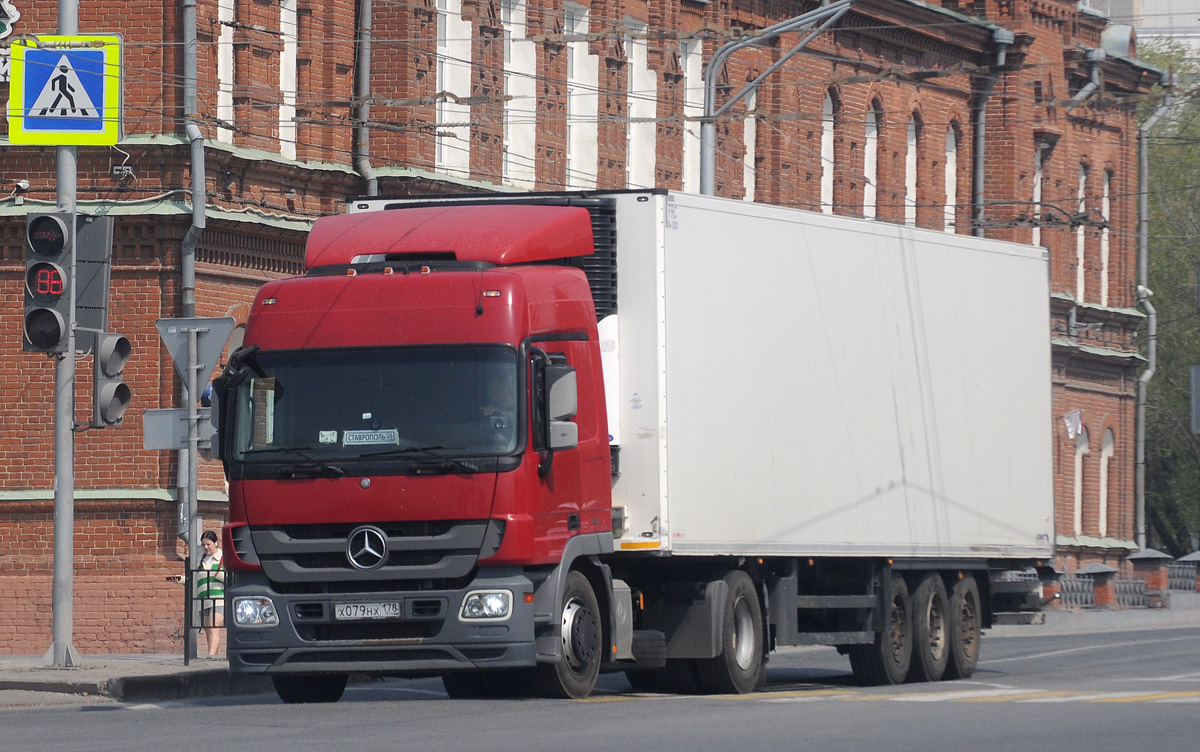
(65, 90)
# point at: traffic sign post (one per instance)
(194, 345)
(65, 90)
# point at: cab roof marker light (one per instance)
(388, 270)
(491, 293)
(351, 272)
(425, 270)
(270, 301)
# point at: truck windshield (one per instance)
(349, 404)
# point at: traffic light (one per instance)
(110, 395)
(49, 244)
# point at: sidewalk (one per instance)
(128, 678)
(151, 678)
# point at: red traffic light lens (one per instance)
(44, 328)
(45, 282)
(47, 235)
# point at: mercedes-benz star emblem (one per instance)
(367, 548)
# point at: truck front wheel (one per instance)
(574, 674)
(887, 660)
(965, 629)
(297, 688)
(739, 666)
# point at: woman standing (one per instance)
(210, 591)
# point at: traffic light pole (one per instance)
(62, 652)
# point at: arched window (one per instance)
(1081, 450)
(1081, 237)
(828, 123)
(1105, 213)
(950, 208)
(910, 170)
(1040, 154)
(1106, 455)
(871, 160)
(750, 142)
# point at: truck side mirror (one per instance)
(214, 425)
(562, 402)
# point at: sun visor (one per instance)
(501, 234)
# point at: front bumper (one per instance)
(428, 637)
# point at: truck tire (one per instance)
(738, 668)
(887, 660)
(574, 674)
(965, 629)
(299, 688)
(931, 617)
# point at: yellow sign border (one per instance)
(110, 45)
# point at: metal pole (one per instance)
(62, 651)
(194, 530)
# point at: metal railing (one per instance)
(1131, 593)
(1078, 591)
(1181, 575)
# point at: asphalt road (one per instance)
(1096, 692)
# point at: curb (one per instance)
(208, 683)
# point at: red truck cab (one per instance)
(415, 439)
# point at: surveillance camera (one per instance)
(21, 186)
(1144, 292)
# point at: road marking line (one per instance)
(1032, 696)
(972, 695)
(1149, 697)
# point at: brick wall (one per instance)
(904, 58)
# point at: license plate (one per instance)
(354, 611)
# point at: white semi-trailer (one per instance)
(736, 427)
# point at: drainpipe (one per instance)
(362, 95)
(1096, 56)
(190, 108)
(1144, 293)
(1003, 38)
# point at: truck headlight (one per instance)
(254, 611)
(486, 605)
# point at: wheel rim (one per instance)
(968, 619)
(578, 635)
(898, 634)
(937, 628)
(743, 635)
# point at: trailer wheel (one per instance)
(886, 661)
(931, 636)
(965, 629)
(574, 674)
(298, 688)
(739, 666)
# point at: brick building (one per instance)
(880, 116)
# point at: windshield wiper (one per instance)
(443, 463)
(311, 467)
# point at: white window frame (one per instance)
(520, 101)
(642, 106)
(452, 134)
(828, 136)
(750, 144)
(950, 207)
(691, 61)
(289, 35)
(871, 162)
(912, 139)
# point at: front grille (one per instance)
(417, 551)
